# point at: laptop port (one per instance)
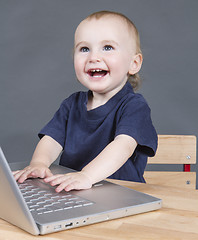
(57, 227)
(69, 225)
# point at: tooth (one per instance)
(95, 70)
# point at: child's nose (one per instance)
(94, 57)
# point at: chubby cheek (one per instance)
(121, 65)
(79, 67)
(116, 65)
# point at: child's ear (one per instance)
(136, 64)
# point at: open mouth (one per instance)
(97, 72)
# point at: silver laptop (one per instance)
(35, 206)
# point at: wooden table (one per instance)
(178, 219)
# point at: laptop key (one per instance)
(44, 201)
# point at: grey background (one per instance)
(36, 67)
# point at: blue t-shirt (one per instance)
(84, 134)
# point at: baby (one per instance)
(106, 131)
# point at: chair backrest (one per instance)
(174, 149)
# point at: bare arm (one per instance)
(111, 158)
(44, 155)
(106, 163)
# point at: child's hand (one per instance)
(70, 181)
(32, 171)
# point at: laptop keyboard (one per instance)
(46, 200)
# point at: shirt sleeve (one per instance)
(56, 127)
(135, 121)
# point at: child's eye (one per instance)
(108, 48)
(84, 49)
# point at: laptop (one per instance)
(35, 207)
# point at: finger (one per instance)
(18, 174)
(53, 178)
(66, 185)
(24, 175)
(50, 178)
(60, 180)
(27, 173)
(15, 173)
(72, 186)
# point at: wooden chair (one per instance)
(174, 149)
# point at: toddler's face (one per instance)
(104, 54)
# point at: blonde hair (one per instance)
(135, 79)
